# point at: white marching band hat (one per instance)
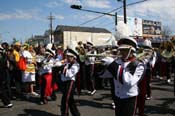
(127, 43)
(70, 52)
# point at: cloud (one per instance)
(26, 15)
(20, 14)
(73, 1)
(98, 3)
(53, 4)
(60, 17)
(158, 10)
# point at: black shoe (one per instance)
(43, 102)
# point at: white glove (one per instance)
(107, 60)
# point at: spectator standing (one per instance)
(4, 79)
(28, 75)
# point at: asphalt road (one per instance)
(162, 104)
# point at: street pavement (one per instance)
(161, 104)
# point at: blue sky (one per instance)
(23, 18)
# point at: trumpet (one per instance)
(108, 53)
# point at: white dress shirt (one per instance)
(129, 85)
(70, 73)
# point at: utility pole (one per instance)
(51, 18)
(124, 11)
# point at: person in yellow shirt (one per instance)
(28, 75)
(16, 71)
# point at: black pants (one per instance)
(5, 94)
(42, 90)
(90, 79)
(125, 107)
(67, 100)
(5, 87)
(148, 81)
(111, 80)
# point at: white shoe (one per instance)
(168, 81)
(93, 92)
(89, 92)
(148, 98)
(34, 94)
(8, 105)
(113, 105)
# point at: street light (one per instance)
(76, 6)
(79, 7)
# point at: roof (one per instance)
(81, 29)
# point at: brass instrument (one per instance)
(167, 54)
(145, 54)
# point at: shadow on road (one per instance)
(163, 108)
(158, 110)
(93, 104)
(34, 112)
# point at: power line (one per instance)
(99, 16)
(107, 24)
(103, 22)
(111, 12)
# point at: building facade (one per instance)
(71, 35)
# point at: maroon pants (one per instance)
(141, 96)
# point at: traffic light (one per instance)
(76, 6)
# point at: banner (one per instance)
(151, 27)
(134, 24)
(141, 27)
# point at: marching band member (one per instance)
(81, 76)
(89, 66)
(167, 55)
(46, 75)
(68, 78)
(127, 72)
(144, 84)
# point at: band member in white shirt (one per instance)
(127, 72)
(90, 68)
(68, 77)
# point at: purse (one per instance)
(22, 63)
